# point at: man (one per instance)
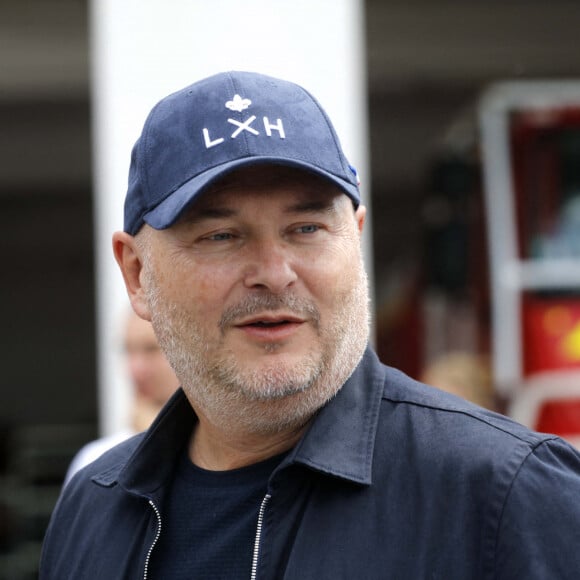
(152, 381)
(291, 451)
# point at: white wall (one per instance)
(145, 49)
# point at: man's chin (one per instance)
(267, 356)
(278, 377)
(284, 388)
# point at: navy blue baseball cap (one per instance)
(230, 120)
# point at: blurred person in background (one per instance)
(152, 382)
(464, 374)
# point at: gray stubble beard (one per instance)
(276, 398)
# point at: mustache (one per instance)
(255, 303)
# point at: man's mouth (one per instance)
(270, 328)
(267, 323)
(267, 313)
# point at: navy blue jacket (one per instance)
(393, 479)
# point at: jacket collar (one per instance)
(341, 439)
(339, 442)
(151, 464)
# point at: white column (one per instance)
(145, 49)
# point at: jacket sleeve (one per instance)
(539, 531)
(60, 523)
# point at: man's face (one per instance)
(259, 297)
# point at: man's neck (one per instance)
(216, 450)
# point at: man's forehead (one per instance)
(299, 186)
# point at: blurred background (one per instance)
(473, 177)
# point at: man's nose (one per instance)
(270, 265)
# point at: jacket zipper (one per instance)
(155, 540)
(258, 539)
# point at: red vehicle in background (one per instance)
(530, 156)
(497, 290)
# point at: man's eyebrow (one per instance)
(312, 205)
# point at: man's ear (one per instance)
(360, 215)
(128, 257)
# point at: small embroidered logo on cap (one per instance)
(238, 104)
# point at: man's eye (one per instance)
(219, 237)
(308, 229)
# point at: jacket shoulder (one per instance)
(435, 407)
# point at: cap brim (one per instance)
(168, 212)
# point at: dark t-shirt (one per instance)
(209, 522)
